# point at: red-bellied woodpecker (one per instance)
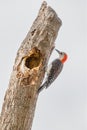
(54, 70)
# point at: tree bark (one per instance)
(28, 71)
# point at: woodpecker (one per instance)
(54, 70)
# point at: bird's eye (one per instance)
(61, 53)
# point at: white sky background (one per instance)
(64, 105)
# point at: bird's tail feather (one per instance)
(44, 85)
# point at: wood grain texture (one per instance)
(28, 71)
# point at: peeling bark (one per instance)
(28, 71)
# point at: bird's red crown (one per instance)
(64, 58)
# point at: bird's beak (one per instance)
(58, 51)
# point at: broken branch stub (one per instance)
(28, 71)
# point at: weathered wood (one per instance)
(28, 71)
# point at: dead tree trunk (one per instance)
(28, 71)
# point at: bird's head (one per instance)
(62, 56)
